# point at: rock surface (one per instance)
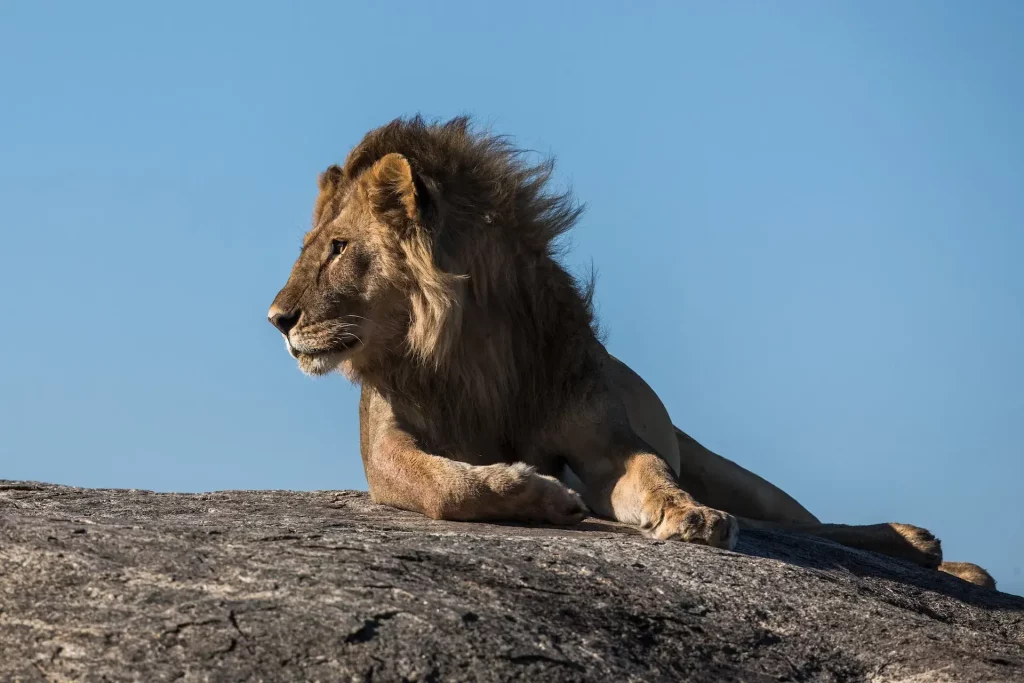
(272, 585)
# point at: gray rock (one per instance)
(280, 586)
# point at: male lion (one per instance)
(429, 277)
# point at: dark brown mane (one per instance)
(481, 177)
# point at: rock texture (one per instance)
(278, 586)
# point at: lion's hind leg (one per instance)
(721, 483)
(903, 541)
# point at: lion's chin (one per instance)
(319, 364)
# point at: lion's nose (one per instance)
(284, 320)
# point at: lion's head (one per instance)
(431, 237)
(349, 293)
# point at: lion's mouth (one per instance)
(342, 347)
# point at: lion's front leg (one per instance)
(619, 441)
(441, 488)
(624, 481)
(402, 475)
(646, 494)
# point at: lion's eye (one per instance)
(338, 247)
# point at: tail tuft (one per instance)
(970, 573)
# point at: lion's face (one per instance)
(343, 301)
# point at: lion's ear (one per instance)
(329, 182)
(395, 193)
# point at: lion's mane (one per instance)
(500, 336)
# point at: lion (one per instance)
(431, 278)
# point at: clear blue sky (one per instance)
(807, 218)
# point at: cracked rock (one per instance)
(128, 585)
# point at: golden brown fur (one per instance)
(430, 277)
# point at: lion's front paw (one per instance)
(697, 524)
(531, 497)
(558, 504)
